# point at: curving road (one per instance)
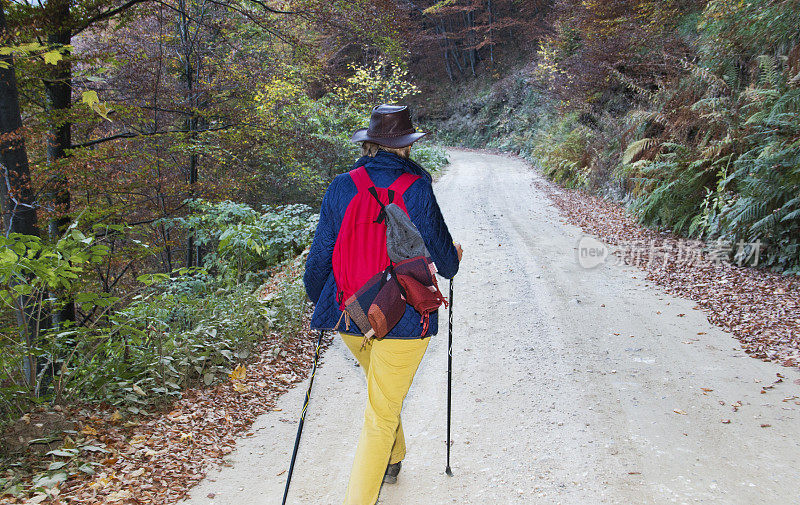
(571, 386)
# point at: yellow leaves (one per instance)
(238, 376)
(379, 82)
(115, 417)
(91, 99)
(239, 373)
(52, 57)
(433, 9)
(88, 430)
(241, 387)
(30, 47)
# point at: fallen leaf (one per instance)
(122, 494)
(679, 412)
(239, 373)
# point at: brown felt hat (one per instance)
(389, 126)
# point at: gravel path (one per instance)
(571, 386)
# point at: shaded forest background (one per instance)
(162, 160)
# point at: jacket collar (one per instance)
(384, 160)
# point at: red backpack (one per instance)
(360, 249)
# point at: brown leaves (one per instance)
(764, 389)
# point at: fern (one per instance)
(636, 148)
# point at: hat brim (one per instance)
(394, 142)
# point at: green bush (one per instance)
(431, 157)
(242, 242)
(178, 329)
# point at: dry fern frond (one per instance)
(715, 149)
(636, 148)
(632, 85)
(705, 75)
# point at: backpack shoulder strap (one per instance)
(403, 183)
(361, 179)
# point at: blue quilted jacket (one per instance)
(424, 212)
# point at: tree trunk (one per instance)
(443, 44)
(191, 124)
(491, 41)
(471, 41)
(19, 214)
(59, 100)
(16, 195)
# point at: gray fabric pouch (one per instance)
(403, 240)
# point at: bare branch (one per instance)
(130, 135)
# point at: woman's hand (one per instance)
(459, 251)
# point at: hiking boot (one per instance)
(391, 473)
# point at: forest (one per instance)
(163, 161)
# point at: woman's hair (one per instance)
(371, 149)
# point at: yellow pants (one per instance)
(390, 365)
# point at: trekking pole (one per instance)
(447, 470)
(302, 418)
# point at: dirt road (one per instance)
(571, 386)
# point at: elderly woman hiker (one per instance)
(346, 252)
